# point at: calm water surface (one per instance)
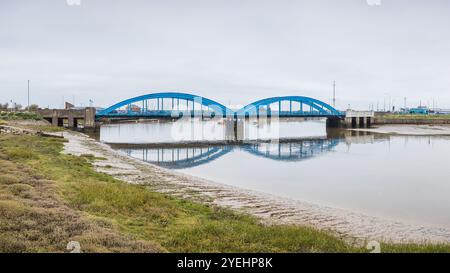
(405, 178)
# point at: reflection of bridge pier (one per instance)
(356, 136)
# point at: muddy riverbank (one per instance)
(410, 129)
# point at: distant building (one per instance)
(439, 111)
(68, 105)
(421, 110)
(134, 108)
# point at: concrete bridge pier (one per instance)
(54, 117)
(334, 122)
(368, 121)
(358, 119)
(362, 122)
(70, 119)
(348, 122)
(352, 119)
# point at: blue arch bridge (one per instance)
(175, 105)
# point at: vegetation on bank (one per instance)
(43, 127)
(37, 123)
(48, 199)
(412, 116)
(11, 115)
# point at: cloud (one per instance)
(110, 50)
(374, 2)
(73, 2)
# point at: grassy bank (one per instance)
(48, 199)
(4, 115)
(411, 116)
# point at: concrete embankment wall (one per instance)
(424, 121)
(57, 116)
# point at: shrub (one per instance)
(19, 115)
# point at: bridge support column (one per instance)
(89, 118)
(235, 128)
(239, 130)
(70, 120)
(356, 123)
(348, 122)
(54, 118)
(334, 122)
(362, 122)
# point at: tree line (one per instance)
(18, 107)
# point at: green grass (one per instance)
(37, 127)
(47, 128)
(19, 116)
(151, 218)
(412, 116)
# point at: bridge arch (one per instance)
(217, 108)
(307, 107)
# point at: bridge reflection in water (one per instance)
(178, 157)
(192, 156)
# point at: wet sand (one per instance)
(351, 226)
(415, 130)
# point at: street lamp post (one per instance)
(28, 95)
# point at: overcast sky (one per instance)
(231, 51)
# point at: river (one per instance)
(398, 177)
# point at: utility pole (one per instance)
(405, 103)
(28, 95)
(390, 103)
(334, 94)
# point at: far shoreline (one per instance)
(408, 129)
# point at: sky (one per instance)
(231, 51)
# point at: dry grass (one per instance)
(36, 125)
(33, 218)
